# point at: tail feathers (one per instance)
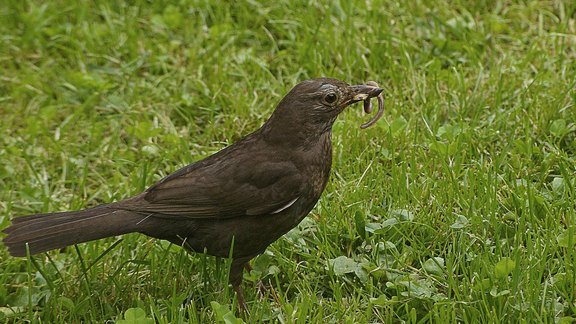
(44, 232)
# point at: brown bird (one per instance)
(243, 197)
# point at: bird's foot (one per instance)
(267, 289)
(263, 289)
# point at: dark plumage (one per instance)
(251, 192)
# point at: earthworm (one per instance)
(368, 107)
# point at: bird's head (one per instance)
(313, 105)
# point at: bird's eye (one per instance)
(330, 98)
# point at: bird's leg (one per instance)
(235, 278)
(240, 297)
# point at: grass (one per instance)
(458, 206)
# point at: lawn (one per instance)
(458, 206)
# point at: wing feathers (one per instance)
(222, 190)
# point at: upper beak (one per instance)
(363, 92)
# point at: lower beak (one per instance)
(363, 92)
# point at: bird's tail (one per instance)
(44, 232)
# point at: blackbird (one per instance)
(233, 203)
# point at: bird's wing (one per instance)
(223, 190)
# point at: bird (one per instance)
(234, 203)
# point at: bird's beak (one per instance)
(363, 92)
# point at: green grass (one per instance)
(458, 206)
